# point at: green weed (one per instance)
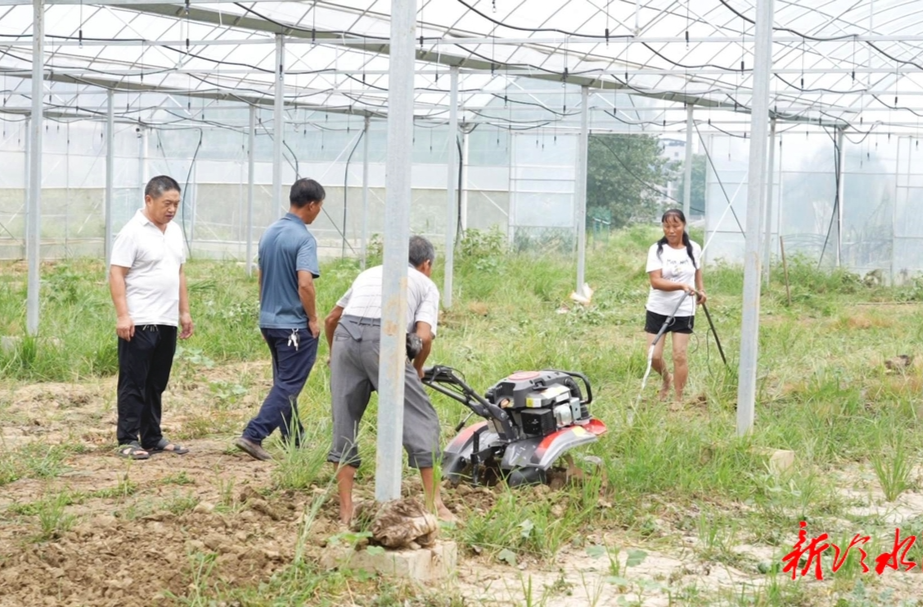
(179, 504)
(178, 478)
(893, 467)
(34, 460)
(52, 519)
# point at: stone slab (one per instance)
(423, 565)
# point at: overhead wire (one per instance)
(471, 8)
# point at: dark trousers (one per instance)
(144, 370)
(293, 353)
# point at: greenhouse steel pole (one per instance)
(580, 191)
(451, 212)
(756, 191)
(278, 124)
(110, 175)
(463, 213)
(251, 176)
(767, 242)
(841, 161)
(365, 188)
(34, 230)
(687, 169)
(393, 357)
(142, 164)
(27, 180)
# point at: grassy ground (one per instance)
(681, 511)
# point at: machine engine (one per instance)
(540, 402)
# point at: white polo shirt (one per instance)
(363, 298)
(153, 259)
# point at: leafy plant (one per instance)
(482, 244)
(227, 393)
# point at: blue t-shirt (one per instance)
(286, 248)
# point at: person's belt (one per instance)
(353, 325)
(362, 321)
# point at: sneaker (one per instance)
(252, 449)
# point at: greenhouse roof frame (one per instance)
(847, 64)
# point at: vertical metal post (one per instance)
(365, 188)
(709, 168)
(34, 229)
(393, 356)
(251, 176)
(767, 243)
(27, 180)
(451, 210)
(895, 201)
(278, 124)
(756, 191)
(583, 143)
(841, 161)
(193, 202)
(143, 175)
(463, 215)
(110, 170)
(67, 186)
(687, 167)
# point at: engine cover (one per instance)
(534, 389)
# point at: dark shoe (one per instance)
(133, 450)
(252, 449)
(165, 446)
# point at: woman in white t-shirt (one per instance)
(674, 264)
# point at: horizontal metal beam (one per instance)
(788, 115)
(376, 95)
(450, 41)
(248, 99)
(728, 126)
(539, 127)
(650, 71)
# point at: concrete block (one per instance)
(779, 461)
(782, 461)
(422, 565)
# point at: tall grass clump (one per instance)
(892, 464)
(302, 466)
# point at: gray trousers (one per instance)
(353, 377)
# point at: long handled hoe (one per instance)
(650, 358)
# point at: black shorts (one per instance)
(678, 324)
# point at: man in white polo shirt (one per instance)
(148, 289)
(353, 331)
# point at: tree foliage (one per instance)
(697, 200)
(626, 175)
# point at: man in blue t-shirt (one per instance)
(288, 316)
